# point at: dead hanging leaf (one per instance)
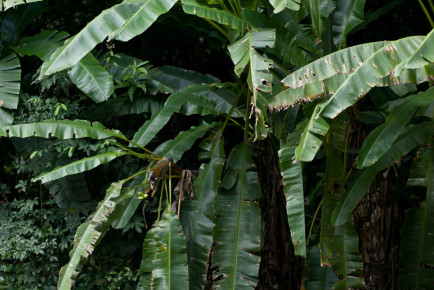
(184, 189)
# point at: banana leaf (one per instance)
(89, 234)
(165, 249)
(124, 20)
(88, 75)
(10, 77)
(63, 129)
(237, 228)
(380, 140)
(197, 215)
(320, 11)
(12, 3)
(79, 166)
(347, 15)
(293, 188)
(310, 141)
(279, 5)
(221, 16)
(160, 118)
(411, 137)
(346, 262)
(416, 250)
(318, 276)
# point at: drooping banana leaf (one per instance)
(146, 13)
(293, 188)
(260, 79)
(370, 74)
(421, 57)
(88, 75)
(346, 262)
(63, 129)
(79, 166)
(123, 106)
(348, 14)
(197, 215)
(380, 140)
(238, 224)
(310, 142)
(169, 79)
(221, 16)
(279, 5)
(416, 250)
(89, 234)
(10, 77)
(411, 137)
(318, 276)
(124, 20)
(175, 148)
(160, 118)
(165, 249)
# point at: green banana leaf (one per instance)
(123, 20)
(243, 52)
(220, 16)
(197, 215)
(411, 137)
(380, 140)
(88, 75)
(347, 262)
(63, 129)
(169, 79)
(347, 15)
(421, 57)
(310, 142)
(175, 148)
(416, 250)
(279, 5)
(10, 77)
(6, 4)
(320, 10)
(89, 234)
(165, 249)
(237, 228)
(123, 106)
(419, 168)
(145, 15)
(79, 166)
(293, 188)
(370, 74)
(318, 276)
(160, 118)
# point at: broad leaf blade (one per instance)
(237, 228)
(347, 262)
(88, 235)
(63, 129)
(79, 166)
(411, 137)
(310, 141)
(279, 5)
(293, 187)
(175, 148)
(370, 74)
(380, 140)
(346, 17)
(160, 118)
(10, 77)
(146, 14)
(221, 16)
(197, 216)
(165, 249)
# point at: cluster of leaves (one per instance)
(297, 86)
